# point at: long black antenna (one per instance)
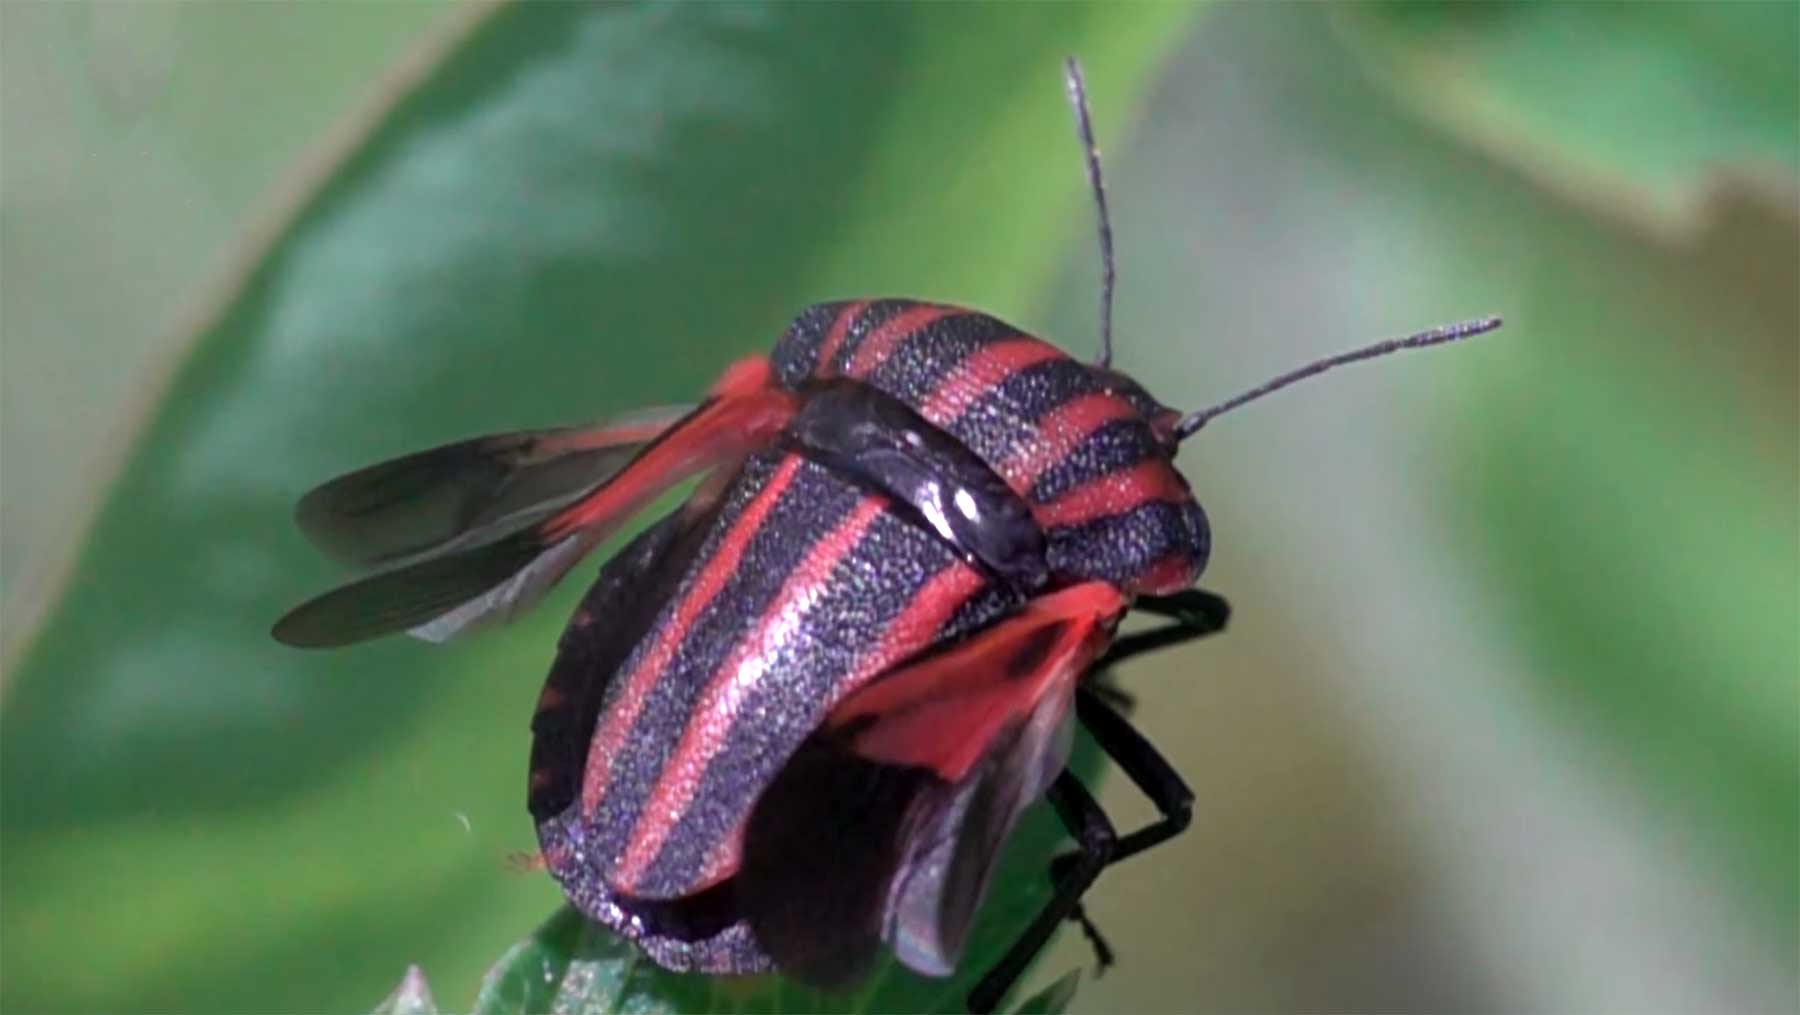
(1193, 421)
(1084, 128)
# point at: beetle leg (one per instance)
(1094, 833)
(1151, 773)
(1145, 767)
(1205, 609)
(1196, 613)
(1104, 684)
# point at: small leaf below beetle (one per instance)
(411, 997)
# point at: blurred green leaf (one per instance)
(1631, 441)
(412, 997)
(571, 965)
(1637, 508)
(581, 210)
(1613, 509)
(1054, 999)
(139, 167)
(1629, 108)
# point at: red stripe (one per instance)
(609, 738)
(745, 377)
(916, 627)
(834, 339)
(723, 428)
(944, 712)
(984, 368)
(880, 342)
(588, 439)
(1058, 434)
(735, 679)
(1170, 574)
(1115, 493)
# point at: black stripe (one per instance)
(607, 626)
(877, 313)
(1119, 548)
(867, 589)
(1036, 649)
(1006, 416)
(878, 442)
(797, 352)
(689, 918)
(1114, 447)
(983, 608)
(1134, 393)
(813, 504)
(920, 362)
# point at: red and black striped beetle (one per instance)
(797, 717)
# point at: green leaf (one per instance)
(411, 997)
(139, 167)
(580, 210)
(571, 965)
(1637, 509)
(1631, 109)
(1054, 999)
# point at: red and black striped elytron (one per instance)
(796, 719)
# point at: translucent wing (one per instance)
(471, 491)
(458, 582)
(418, 593)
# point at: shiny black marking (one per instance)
(874, 439)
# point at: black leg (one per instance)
(1094, 835)
(1106, 686)
(1196, 613)
(1145, 767)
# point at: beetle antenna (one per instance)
(1084, 129)
(1193, 421)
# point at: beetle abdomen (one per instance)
(1087, 448)
(805, 587)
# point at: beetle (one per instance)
(796, 718)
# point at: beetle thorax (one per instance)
(1086, 449)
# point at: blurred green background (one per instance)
(1509, 714)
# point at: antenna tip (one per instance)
(1072, 77)
(1451, 332)
(1193, 421)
